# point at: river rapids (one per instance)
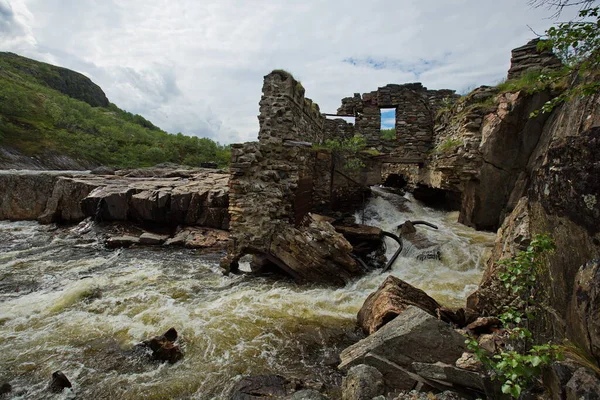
(70, 304)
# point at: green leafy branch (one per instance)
(349, 148)
(517, 368)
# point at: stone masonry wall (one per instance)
(274, 184)
(285, 114)
(415, 112)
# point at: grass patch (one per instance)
(532, 82)
(448, 145)
(388, 134)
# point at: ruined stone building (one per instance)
(467, 153)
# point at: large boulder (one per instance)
(392, 298)
(262, 387)
(413, 336)
(452, 376)
(311, 252)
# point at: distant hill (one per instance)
(52, 113)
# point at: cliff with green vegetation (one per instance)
(52, 113)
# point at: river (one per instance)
(69, 304)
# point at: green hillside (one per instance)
(47, 109)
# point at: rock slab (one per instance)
(413, 336)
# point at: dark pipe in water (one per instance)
(396, 254)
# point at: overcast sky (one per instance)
(196, 66)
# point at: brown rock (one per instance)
(469, 362)
(122, 241)
(163, 347)
(484, 325)
(205, 238)
(391, 299)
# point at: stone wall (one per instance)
(415, 112)
(528, 58)
(285, 114)
(278, 180)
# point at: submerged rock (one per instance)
(272, 387)
(5, 388)
(59, 382)
(122, 241)
(262, 387)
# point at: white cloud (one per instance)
(197, 67)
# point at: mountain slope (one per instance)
(48, 112)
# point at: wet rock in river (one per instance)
(5, 388)
(59, 382)
(273, 387)
(163, 347)
(262, 387)
(152, 238)
(391, 299)
(122, 241)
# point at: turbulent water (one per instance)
(71, 305)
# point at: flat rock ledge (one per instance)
(187, 197)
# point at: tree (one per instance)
(577, 43)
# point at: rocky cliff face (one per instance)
(558, 195)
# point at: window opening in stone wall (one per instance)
(388, 123)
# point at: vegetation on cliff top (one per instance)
(46, 109)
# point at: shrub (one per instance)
(519, 367)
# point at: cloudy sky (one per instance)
(196, 66)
